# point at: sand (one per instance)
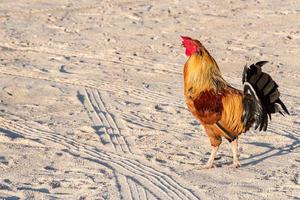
(92, 104)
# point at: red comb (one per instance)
(189, 44)
(185, 38)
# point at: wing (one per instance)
(208, 106)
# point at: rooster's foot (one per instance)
(209, 166)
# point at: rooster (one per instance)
(223, 110)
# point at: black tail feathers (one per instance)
(261, 97)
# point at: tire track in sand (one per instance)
(104, 123)
(92, 99)
(96, 102)
(143, 181)
(110, 120)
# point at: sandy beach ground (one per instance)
(92, 104)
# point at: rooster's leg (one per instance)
(234, 146)
(212, 157)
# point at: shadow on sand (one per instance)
(272, 151)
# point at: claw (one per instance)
(236, 164)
